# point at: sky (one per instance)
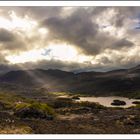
(69, 38)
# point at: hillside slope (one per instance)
(123, 81)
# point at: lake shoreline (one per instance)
(104, 100)
(107, 101)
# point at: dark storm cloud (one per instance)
(57, 64)
(36, 12)
(46, 64)
(78, 27)
(10, 41)
(6, 36)
(43, 12)
(18, 41)
(4, 67)
(123, 43)
(69, 66)
(80, 30)
(124, 13)
(119, 20)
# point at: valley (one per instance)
(58, 102)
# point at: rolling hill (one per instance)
(124, 82)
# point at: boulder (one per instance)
(75, 97)
(136, 102)
(118, 103)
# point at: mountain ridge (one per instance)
(121, 81)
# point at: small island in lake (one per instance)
(118, 103)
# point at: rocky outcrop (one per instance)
(118, 103)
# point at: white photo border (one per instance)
(69, 3)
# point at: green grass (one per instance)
(92, 105)
(10, 100)
(136, 106)
(37, 106)
(17, 102)
(68, 102)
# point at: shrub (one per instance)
(136, 102)
(34, 110)
(92, 105)
(5, 105)
(136, 106)
(68, 102)
(63, 102)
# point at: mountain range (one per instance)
(124, 82)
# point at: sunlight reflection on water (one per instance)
(106, 101)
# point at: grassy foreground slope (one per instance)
(61, 115)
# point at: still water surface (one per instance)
(106, 101)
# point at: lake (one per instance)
(106, 101)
